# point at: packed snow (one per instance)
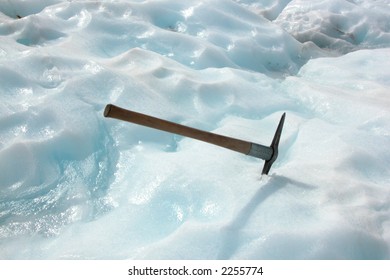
(76, 185)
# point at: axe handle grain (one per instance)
(237, 145)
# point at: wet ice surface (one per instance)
(74, 185)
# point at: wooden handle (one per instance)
(237, 145)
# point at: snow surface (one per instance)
(75, 185)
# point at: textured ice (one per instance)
(74, 185)
(341, 26)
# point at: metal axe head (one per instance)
(274, 146)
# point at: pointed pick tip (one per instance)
(274, 146)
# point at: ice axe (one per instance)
(269, 154)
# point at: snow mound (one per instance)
(22, 8)
(342, 26)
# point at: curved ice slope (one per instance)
(75, 185)
(20, 8)
(269, 9)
